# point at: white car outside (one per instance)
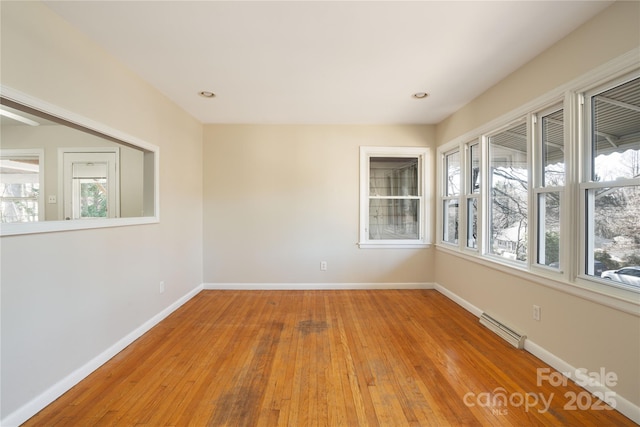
(628, 275)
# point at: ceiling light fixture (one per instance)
(206, 94)
(420, 95)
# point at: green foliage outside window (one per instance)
(93, 202)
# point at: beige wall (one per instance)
(583, 333)
(280, 199)
(275, 201)
(51, 138)
(69, 296)
(611, 33)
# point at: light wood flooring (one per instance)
(321, 358)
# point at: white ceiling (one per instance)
(325, 61)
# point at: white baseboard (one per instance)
(314, 286)
(31, 408)
(624, 406)
(28, 410)
(461, 302)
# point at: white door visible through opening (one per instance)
(90, 185)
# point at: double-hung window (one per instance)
(509, 192)
(21, 185)
(451, 199)
(549, 184)
(610, 186)
(472, 194)
(553, 187)
(392, 197)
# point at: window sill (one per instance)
(371, 245)
(16, 229)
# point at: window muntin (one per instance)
(392, 196)
(611, 183)
(509, 192)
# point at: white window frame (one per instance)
(538, 188)
(448, 199)
(424, 162)
(468, 194)
(487, 218)
(13, 229)
(31, 152)
(569, 277)
(586, 183)
(111, 155)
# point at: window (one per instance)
(451, 201)
(21, 186)
(472, 194)
(509, 192)
(610, 184)
(91, 184)
(554, 189)
(32, 202)
(392, 205)
(549, 143)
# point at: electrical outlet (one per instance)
(323, 265)
(162, 287)
(536, 312)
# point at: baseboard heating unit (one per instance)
(512, 337)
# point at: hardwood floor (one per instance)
(332, 358)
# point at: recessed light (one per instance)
(206, 94)
(420, 95)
